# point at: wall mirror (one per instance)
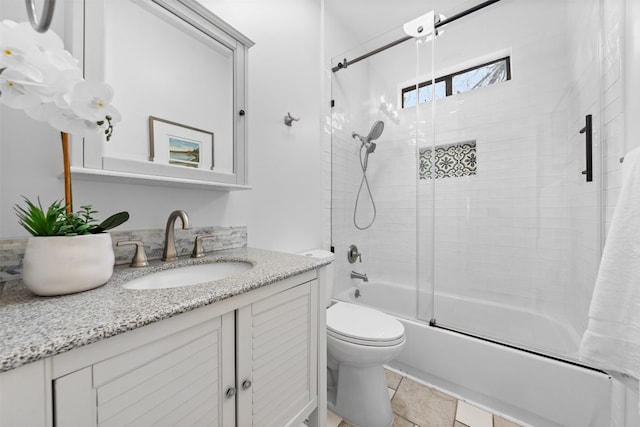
(179, 76)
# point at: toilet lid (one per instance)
(363, 325)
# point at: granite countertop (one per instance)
(33, 327)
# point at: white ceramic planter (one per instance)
(59, 265)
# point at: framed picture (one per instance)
(176, 144)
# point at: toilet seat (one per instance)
(363, 326)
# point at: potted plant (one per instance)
(68, 252)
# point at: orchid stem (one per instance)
(67, 172)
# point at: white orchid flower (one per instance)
(47, 41)
(66, 120)
(92, 101)
(39, 76)
(17, 92)
(38, 58)
(61, 98)
(38, 112)
(48, 44)
(19, 53)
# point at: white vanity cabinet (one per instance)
(250, 360)
(277, 344)
(176, 380)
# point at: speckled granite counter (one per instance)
(32, 327)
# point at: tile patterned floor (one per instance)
(418, 405)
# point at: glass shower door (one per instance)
(363, 93)
(516, 226)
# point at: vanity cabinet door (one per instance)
(177, 380)
(277, 358)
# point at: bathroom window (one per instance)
(459, 82)
(423, 94)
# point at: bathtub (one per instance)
(529, 388)
(523, 328)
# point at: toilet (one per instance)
(360, 340)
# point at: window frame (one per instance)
(448, 79)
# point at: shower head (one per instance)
(374, 133)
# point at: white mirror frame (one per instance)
(88, 160)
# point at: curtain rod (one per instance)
(345, 63)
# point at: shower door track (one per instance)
(433, 324)
(346, 63)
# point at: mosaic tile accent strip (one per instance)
(11, 254)
(225, 238)
(12, 250)
(451, 161)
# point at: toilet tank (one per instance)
(329, 256)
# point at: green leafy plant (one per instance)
(55, 221)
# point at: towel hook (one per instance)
(289, 119)
(43, 24)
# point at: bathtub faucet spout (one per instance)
(355, 275)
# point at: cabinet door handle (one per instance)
(246, 384)
(231, 391)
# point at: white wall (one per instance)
(282, 212)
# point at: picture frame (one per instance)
(180, 145)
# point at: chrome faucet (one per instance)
(169, 253)
(355, 275)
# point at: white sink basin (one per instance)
(189, 275)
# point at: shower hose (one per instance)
(364, 182)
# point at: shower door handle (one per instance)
(588, 131)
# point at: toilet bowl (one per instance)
(360, 340)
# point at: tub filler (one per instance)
(530, 388)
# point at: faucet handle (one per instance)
(140, 257)
(197, 247)
(353, 254)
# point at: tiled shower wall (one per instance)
(524, 230)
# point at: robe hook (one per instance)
(289, 119)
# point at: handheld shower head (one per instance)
(374, 133)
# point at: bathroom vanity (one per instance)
(246, 350)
